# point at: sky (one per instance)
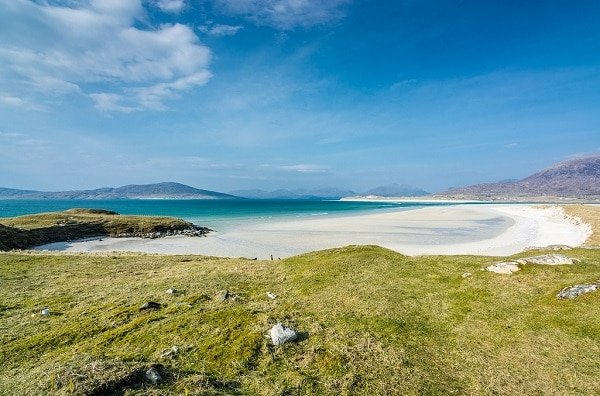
(240, 94)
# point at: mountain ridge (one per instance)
(163, 190)
(574, 178)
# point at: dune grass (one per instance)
(371, 321)
(591, 215)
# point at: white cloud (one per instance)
(285, 14)
(170, 5)
(220, 30)
(305, 168)
(96, 49)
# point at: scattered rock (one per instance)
(550, 259)
(506, 268)
(281, 334)
(150, 305)
(170, 353)
(171, 291)
(576, 291)
(223, 295)
(272, 296)
(45, 311)
(467, 275)
(153, 376)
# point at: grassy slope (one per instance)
(373, 322)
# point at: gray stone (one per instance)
(153, 376)
(505, 268)
(281, 334)
(45, 311)
(550, 259)
(576, 291)
(150, 305)
(223, 295)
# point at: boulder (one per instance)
(576, 291)
(505, 268)
(281, 334)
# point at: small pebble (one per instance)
(272, 296)
(45, 311)
(171, 291)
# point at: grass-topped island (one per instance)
(25, 232)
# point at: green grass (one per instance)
(371, 321)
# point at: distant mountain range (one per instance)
(143, 191)
(577, 178)
(315, 193)
(392, 190)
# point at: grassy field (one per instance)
(371, 322)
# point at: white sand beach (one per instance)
(487, 229)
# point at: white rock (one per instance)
(171, 291)
(45, 311)
(272, 296)
(171, 352)
(576, 291)
(281, 334)
(550, 259)
(506, 268)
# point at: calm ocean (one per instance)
(217, 214)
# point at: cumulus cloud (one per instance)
(285, 14)
(96, 49)
(220, 30)
(170, 5)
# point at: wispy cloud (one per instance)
(95, 44)
(285, 14)
(220, 30)
(305, 168)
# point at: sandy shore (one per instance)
(461, 229)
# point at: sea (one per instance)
(216, 214)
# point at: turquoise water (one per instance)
(217, 214)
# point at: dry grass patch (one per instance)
(589, 214)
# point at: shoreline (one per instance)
(487, 229)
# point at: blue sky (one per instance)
(224, 94)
